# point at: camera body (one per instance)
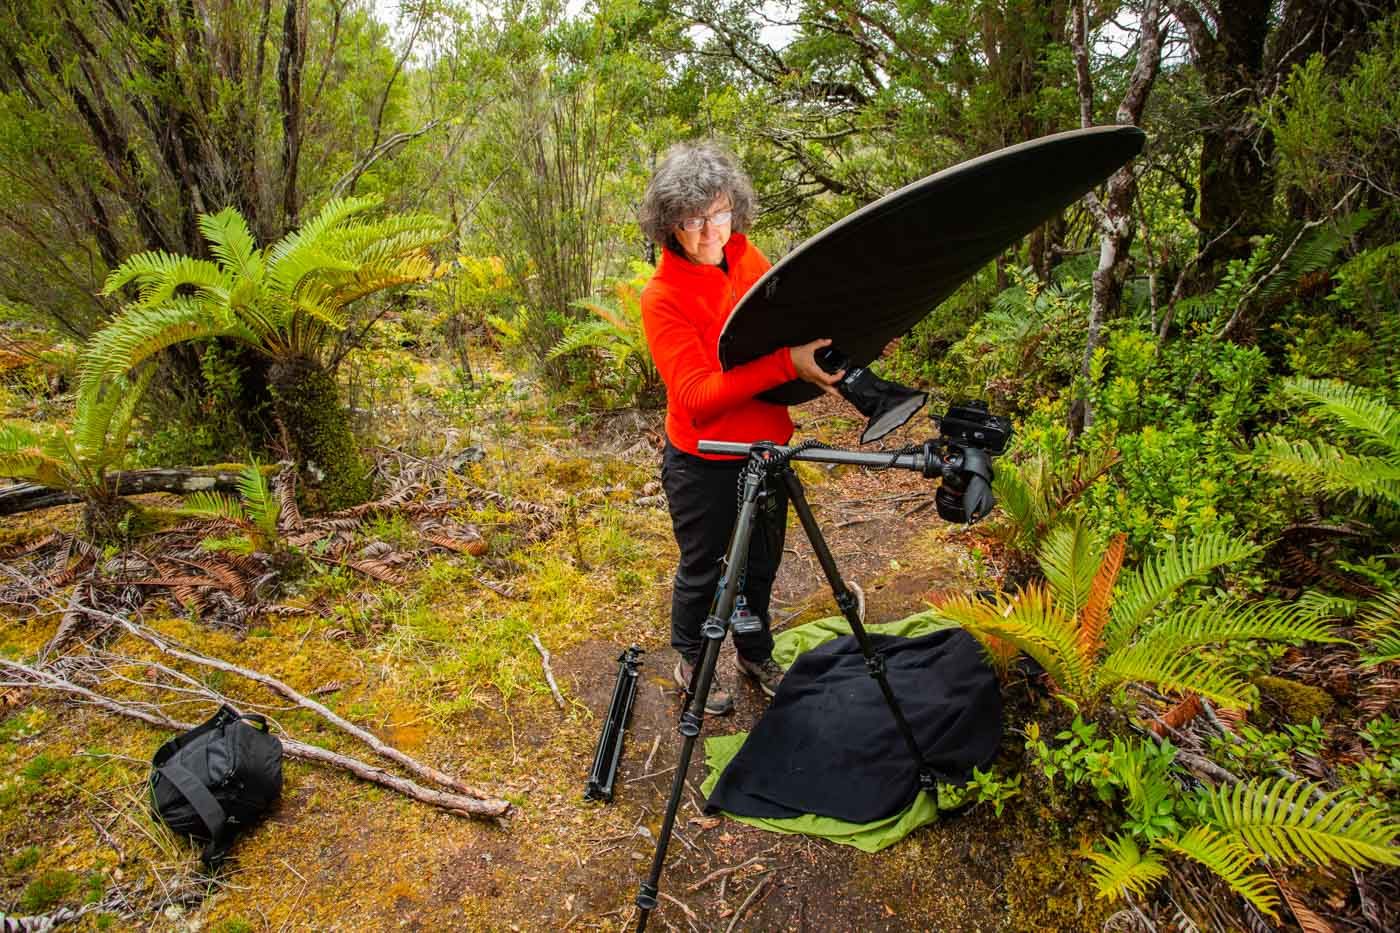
(969, 437)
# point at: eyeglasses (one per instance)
(717, 219)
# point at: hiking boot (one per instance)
(766, 672)
(719, 702)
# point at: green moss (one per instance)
(1051, 889)
(46, 890)
(1298, 702)
(23, 860)
(308, 403)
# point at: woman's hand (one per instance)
(804, 361)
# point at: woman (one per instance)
(696, 208)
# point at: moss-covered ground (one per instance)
(444, 668)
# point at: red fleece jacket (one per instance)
(684, 308)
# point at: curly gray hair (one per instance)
(686, 183)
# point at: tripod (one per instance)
(769, 461)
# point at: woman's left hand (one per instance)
(805, 362)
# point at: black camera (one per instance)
(969, 437)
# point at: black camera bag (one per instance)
(217, 779)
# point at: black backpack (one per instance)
(217, 779)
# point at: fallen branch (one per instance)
(26, 497)
(548, 671)
(738, 914)
(453, 803)
(725, 872)
(380, 748)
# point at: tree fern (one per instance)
(1228, 859)
(1143, 590)
(1126, 869)
(1284, 820)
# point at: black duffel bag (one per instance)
(217, 779)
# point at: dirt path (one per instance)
(886, 536)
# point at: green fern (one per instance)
(1229, 860)
(1363, 462)
(256, 515)
(615, 332)
(1035, 495)
(1291, 822)
(1141, 592)
(1380, 620)
(1125, 869)
(1059, 624)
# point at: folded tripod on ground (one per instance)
(965, 496)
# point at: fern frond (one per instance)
(1125, 869)
(1229, 620)
(204, 504)
(1067, 558)
(231, 242)
(1366, 413)
(1318, 466)
(1032, 622)
(1176, 671)
(1283, 820)
(1322, 605)
(262, 507)
(1229, 860)
(1142, 591)
(139, 333)
(25, 454)
(1095, 615)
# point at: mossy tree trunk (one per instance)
(307, 402)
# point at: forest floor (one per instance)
(445, 670)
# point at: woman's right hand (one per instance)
(805, 362)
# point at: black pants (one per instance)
(704, 499)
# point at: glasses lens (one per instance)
(722, 218)
(692, 224)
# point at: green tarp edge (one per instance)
(868, 837)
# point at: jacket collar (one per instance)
(675, 266)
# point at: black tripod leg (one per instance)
(849, 606)
(693, 716)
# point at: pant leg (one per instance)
(765, 555)
(703, 499)
(703, 496)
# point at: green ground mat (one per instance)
(869, 837)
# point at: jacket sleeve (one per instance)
(696, 382)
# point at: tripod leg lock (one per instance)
(713, 628)
(690, 725)
(875, 665)
(929, 783)
(646, 897)
(846, 601)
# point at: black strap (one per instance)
(209, 809)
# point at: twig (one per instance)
(655, 744)
(643, 777)
(548, 671)
(738, 914)
(681, 904)
(724, 872)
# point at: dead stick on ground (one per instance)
(681, 904)
(656, 743)
(548, 671)
(454, 803)
(724, 872)
(373, 741)
(738, 914)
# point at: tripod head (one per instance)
(961, 457)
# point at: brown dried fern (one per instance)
(1095, 614)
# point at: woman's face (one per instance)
(706, 245)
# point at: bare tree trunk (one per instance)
(1113, 215)
(289, 64)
